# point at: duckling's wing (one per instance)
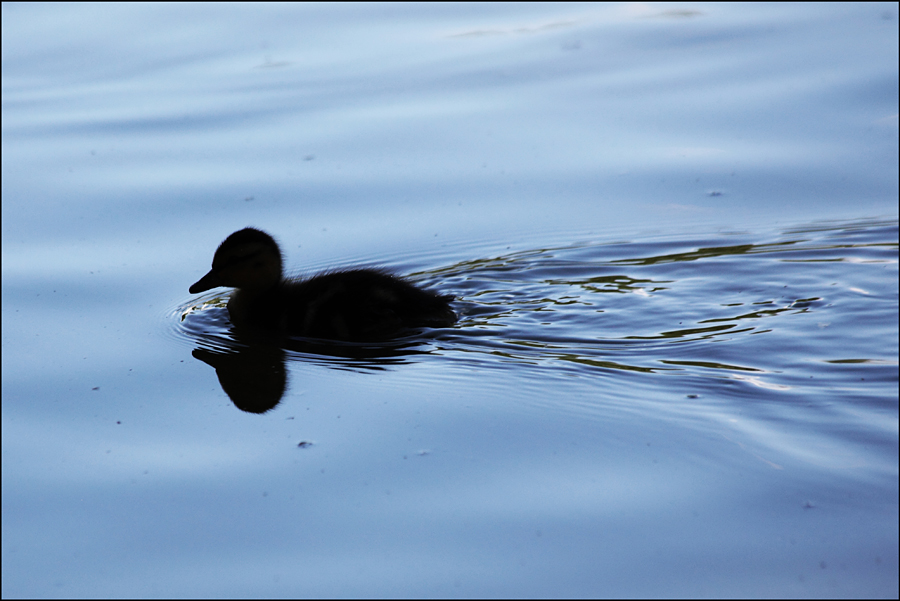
(364, 304)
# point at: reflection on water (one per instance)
(721, 307)
(254, 377)
(250, 364)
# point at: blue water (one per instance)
(671, 231)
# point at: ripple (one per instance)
(774, 305)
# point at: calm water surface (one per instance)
(671, 231)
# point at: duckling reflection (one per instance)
(254, 378)
(252, 369)
(354, 305)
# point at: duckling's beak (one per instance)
(210, 280)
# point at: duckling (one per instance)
(345, 305)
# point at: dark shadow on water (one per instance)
(252, 371)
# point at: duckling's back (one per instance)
(354, 305)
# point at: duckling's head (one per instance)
(248, 259)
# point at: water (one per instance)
(671, 232)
